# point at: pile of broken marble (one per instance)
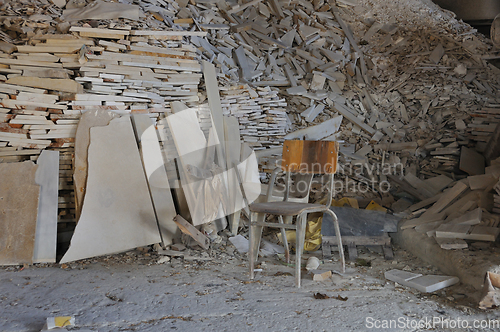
(394, 94)
(467, 210)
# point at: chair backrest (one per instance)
(316, 157)
(310, 157)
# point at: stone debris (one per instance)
(408, 90)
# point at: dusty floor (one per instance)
(210, 291)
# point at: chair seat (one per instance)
(284, 208)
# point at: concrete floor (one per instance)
(210, 291)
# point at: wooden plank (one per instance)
(477, 182)
(239, 8)
(423, 220)
(215, 108)
(48, 49)
(450, 244)
(448, 197)
(351, 117)
(167, 33)
(100, 33)
(233, 152)
(408, 188)
(396, 146)
(43, 98)
(29, 152)
(13, 103)
(471, 218)
(190, 230)
(65, 85)
(7, 61)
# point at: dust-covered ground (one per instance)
(211, 291)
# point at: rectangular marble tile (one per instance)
(19, 195)
(47, 176)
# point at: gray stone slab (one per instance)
(400, 276)
(18, 210)
(483, 233)
(156, 176)
(47, 176)
(452, 231)
(426, 284)
(357, 222)
(117, 214)
(473, 217)
(432, 283)
(449, 244)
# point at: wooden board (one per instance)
(233, 152)
(482, 181)
(448, 197)
(316, 157)
(65, 85)
(48, 49)
(190, 230)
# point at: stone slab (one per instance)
(357, 222)
(89, 119)
(426, 284)
(117, 214)
(156, 175)
(191, 145)
(47, 176)
(400, 276)
(432, 283)
(19, 195)
(450, 244)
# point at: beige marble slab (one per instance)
(19, 195)
(156, 176)
(47, 176)
(89, 119)
(117, 214)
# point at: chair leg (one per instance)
(299, 248)
(254, 240)
(339, 239)
(285, 241)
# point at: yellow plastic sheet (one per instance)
(312, 240)
(346, 201)
(375, 207)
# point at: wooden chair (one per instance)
(306, 157)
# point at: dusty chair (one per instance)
(317, 157)
(299, 189)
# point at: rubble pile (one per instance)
(412, 98)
